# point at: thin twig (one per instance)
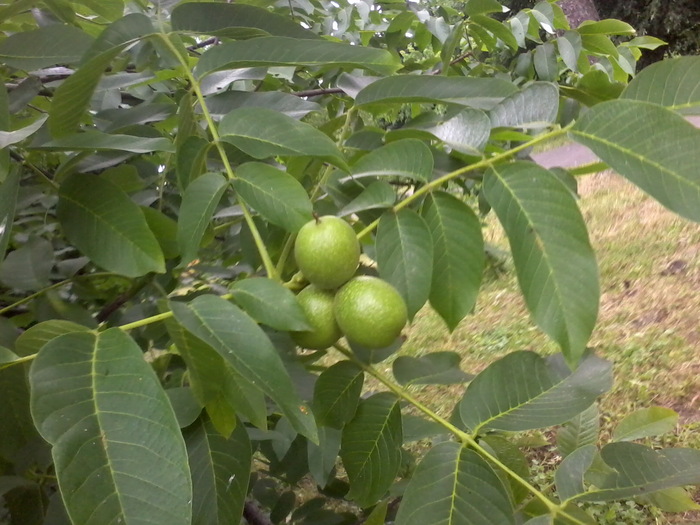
(318, 92)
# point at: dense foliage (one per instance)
(158, 159)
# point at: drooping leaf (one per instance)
(570, 474)
(7, 138)
(15, 419)
(479, 93)
(639, 470)
(270, 303)
(435, 368)
(284, 51)
(408, 158)
(536, 106)
(263, 133)
(554, 261)
(220, 472)
(72, 97)
(225, 19)
(608, 26)
(28, 267)
(165, 230)
(191, 159)
(580, 431)
(47, 46)
(459, 259)
(378, 194)
(113, 431)
(497, 29)
(215, 384)
(274, 194)
(243, 344)
(97, 141)
(370, 448)
(509, 453)
(8, 201)
(322, 458)
(337, 393)
(199, 201)
(545, 62)
(645, 422)
(107, 226)
(656, 149)
(405, 256)
(454, 485)
(522, 391)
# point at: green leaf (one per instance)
(184, 404)
(47, 46)
(371, 448)
(570, 46)
(435, 368)
(408, 158)
(220, 471)
(536, 106)
(243, 344)
(35, 337)
(191, 159)
(571, 471)
(554, 261)
(29, 267)
(580, 431)
(405, 256)
(199, 201)
(378, 194)
(8, 201)
(656, 149)
(283, 51)
(467, 132)
(270, 303)
(646, 422)
(599, 45)
(107, 226)
(225, 19)
(263, 133)
(477, 7)
(72, 97)
(114, 434)
(671, 83)
(290, 105)
(454, 485)
(498, 29)
(97, 141)
(165, 230)
(459, 259)
(675, 499)
(479, 93)
(378, 514)
(322, 458)
(608, 26)
(545, 60)
(274, 194)
(639, 470)
(7, 138)
(508, 453)
(523, 391)
(15, 418)
(337, 393)
(217, 387)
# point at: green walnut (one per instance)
(318, 307)
(327, 252)
(370, 312)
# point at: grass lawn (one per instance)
(649, 323)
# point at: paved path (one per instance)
(574, 154)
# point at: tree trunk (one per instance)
(579, 10)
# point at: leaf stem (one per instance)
(25, 359)
(259, 244)
(484, 163)
(464, 437)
